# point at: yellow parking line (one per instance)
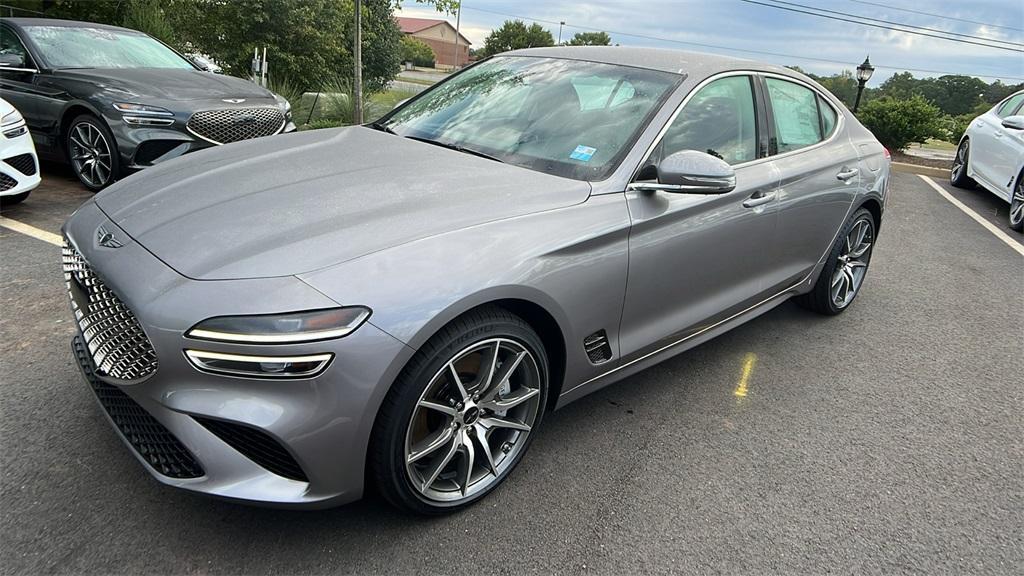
(963, 208)
(32, 231)
(749, 361)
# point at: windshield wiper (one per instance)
(382, 127)
(456, 147)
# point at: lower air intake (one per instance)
(256, 446)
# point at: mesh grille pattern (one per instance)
(23, 163)
(235, 124)
(256, 446)
(6, 182)
(116, 342)
(146, 434)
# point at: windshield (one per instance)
(564, 117)
(67, 47)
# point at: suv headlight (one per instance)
(11, 118)
(291, 328)
(141, 109)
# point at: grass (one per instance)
(934, 144)
(419, 81)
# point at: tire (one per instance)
(958, 172)
(848, 270)
(92, 152)
(13, 199)
(1017, 205)
(418, 456)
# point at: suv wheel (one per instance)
(92, 152)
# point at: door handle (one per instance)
(758, 198)
(847, 174)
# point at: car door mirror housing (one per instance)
(12, 61)
(1014, 122)
(692, 172)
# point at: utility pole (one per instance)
(560, 24)
(357, 55)
(458, 21)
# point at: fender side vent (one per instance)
(597, 347)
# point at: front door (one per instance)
(695, 259)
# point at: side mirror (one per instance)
(1014, 122)
(692, 172)
(12, 61)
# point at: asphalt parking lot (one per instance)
(887, 440)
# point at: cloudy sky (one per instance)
(815, 44)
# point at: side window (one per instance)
(1010, 105)
(796, 115)
(719, 120)
(10, 44)
(828, 117)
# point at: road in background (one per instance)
(888, 439)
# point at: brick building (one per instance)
(440, 36)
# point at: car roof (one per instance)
(21, 22)
(693, 64)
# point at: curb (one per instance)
(915, 169)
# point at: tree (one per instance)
(513, 35)
(898, 123)
(416, 52)
(590, 39)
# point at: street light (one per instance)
(864, 72)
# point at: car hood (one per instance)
(139, 84)
(294, 203)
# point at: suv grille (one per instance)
(146, 434)
(6, 182)
(235, 124)
(116, 342)
(23, 163)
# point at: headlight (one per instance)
(284, 103)
(288, 328)
(11, 118)
(141, 109)
(259, 366)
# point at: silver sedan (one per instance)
(285, 320)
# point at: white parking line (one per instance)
(32, 231)
(963, 207)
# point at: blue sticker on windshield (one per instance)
(583, 153)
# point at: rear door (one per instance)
(987, 136)
(819, 175)
(1006, 154)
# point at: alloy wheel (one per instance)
(1017, 205)
(472, 421)
(90, 154)
(960, 160)
(852, 263)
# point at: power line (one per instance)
(729, 48)
(862, 23)
(908, 10)
(899, 23)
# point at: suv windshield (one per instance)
(68, 47)
(564, 117)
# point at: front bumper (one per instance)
(19, 167)
(322, 423)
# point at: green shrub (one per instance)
(899, 122)
(417, 52)
(955, 126)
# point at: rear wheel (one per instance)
(847, 265)
(958, 173)
(1017, 205)
(92, 152)
(462, 413)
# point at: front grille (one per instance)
(6, 182)
(256, 446)
(146, 434)
(235, 124)
(23, 163)
(116, 342)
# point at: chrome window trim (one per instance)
(840, 122)
(9, 69)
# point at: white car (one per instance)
(19, 166)
(991, 153)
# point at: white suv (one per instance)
(991, 153)
(19, 167)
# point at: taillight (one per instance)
(888, 156)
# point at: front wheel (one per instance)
(847, 265)
(958, 173)
(462, 413)
(92, 152)
(1017, 205)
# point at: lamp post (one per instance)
(864, 72)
